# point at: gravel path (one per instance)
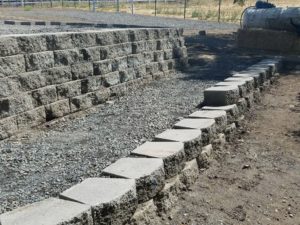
(49, 159)
(112, 18)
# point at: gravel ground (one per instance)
(47, 160)
(111, 18)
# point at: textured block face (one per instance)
(207, 126)
(9, 46)
(32, 43)
(44, 96)
(15, 104)
(31, 80)
(248, 80)
(8, 126)
(218, 115)
(49, 212)
(148, 173)
(39, 61)
(57, 75)
(113, 200)
(31, 118)
(232, 111)
(9, 86)
(190, 173)
(82, 70)
(12, 65)
(69, 89)
(240, 84)
(191, 138)
(67, 57)
(102, 67)
(245, 75)
(220, 96)
(111, 79)
(172, 154)
(57, 109)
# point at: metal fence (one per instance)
(212, 10)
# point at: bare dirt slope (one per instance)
(256, 179)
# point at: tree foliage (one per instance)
(240, 2)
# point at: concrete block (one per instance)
(220, 96)
(172, 154)
(139, 35)
(257, 95)
(31, 118)
(32, 43)
(127, 75)
(241, 85)
(207, 127)
(242, 105)
(119, 64)
(261, 72)
(218, 115)
(15, 104)
(104, 38)
(190, 173)
(91, 84)
(140, 71)
(31, 80)
(191, 139)
(8, 127)
(100, 96)
(44, 96)
(67, 57)
(248, 80)
(145, 214)
(82, 70)
(102, 67)
(12, 65)
(118, 90)
(152, 68)
(232, 111)
(84, 39)
(69, 89)
(205, 157)
(57, 75)
(119, 50)
(113, 201)
(158, 56)
(51, 211)
(148, 173)
(168, 54)
(8, 46)
(246, 75)
(81, 102)
(91, 54)
(9, 86)
(135, 60)
(59, 41)
(39, 61)
(230, 132)
(148, 57)
(57, 109)
(111, 79)
(250, 100)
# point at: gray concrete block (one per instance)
(15, 104)
(248, 80)
(242, 105)
(257, 95)
(91, 54)
(69, 89)
(118, 90)
(232, 111)
(91, 84)
(168, 54)
(145, 214)
(152, 68)
(261, 72)
(12, 65)
(32, 43)
(207, 126)
(220, 96)
(127, 75)
(111, 79)
(39, 61)
(8, 127)
(241, 85)
(31, 80)
(190, 173)
(81, 102)
(84, 39)
(148, 173)
(57, 75)
(218, 115)
(172, 154)
(67, 57)
(59, 41)
(9, 86)
(82, 70)
(191, 139)
(135, 60)
(246, 75)
(44, 96)
(57, 109)
(148, 57)
(158, 56)
(100, 96)
(49, 212)
(140, 71)
(139, 34)
(31, 118)
(8, 46)
(102, 67)
(119, 64)
(250, 100)
(205, 157)
(113, 201)
(119, 50)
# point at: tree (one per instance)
(240, 2)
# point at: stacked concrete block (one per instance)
(222, 95)
(49, 212)
(112, 201)
(148, 173)
(232, 111)
(72, 71)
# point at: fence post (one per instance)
(89, 5)
(184, 10)
(219, 13)
(118, 5)
(94, 5)
(132, 6)
(155, 7)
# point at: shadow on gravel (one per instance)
(214, 57)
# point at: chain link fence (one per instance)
(211, 10)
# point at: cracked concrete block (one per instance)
(57, 75)
(12, 65)
(148, 173)
(15, 104)
(241, 85)
(57, 109)
(39, 61)
(190, 173)
(191, 139)
(51, 211)
(204, 158)
(69, 89)
(172, 154)
(112, 200)
(44, 96)
(207, 127)
(220, 96)
(111, 79)
(31, 118)
(102, 67)
(218, 115)
(31, 80)
(232, 111)
(248, 80)
(8, 127)
(82, 70)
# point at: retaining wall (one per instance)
(46, 76)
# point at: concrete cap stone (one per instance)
(229, 83)
(133, 168)
(221, 95)
(47, 212)
(221, 89)
(223, 108)
(97, 191)
(181, 135)
(194, 124)
(158, 149)
(245, 78)
(212, 114)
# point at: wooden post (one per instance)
(219, 13)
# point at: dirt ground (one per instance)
(256, 179)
